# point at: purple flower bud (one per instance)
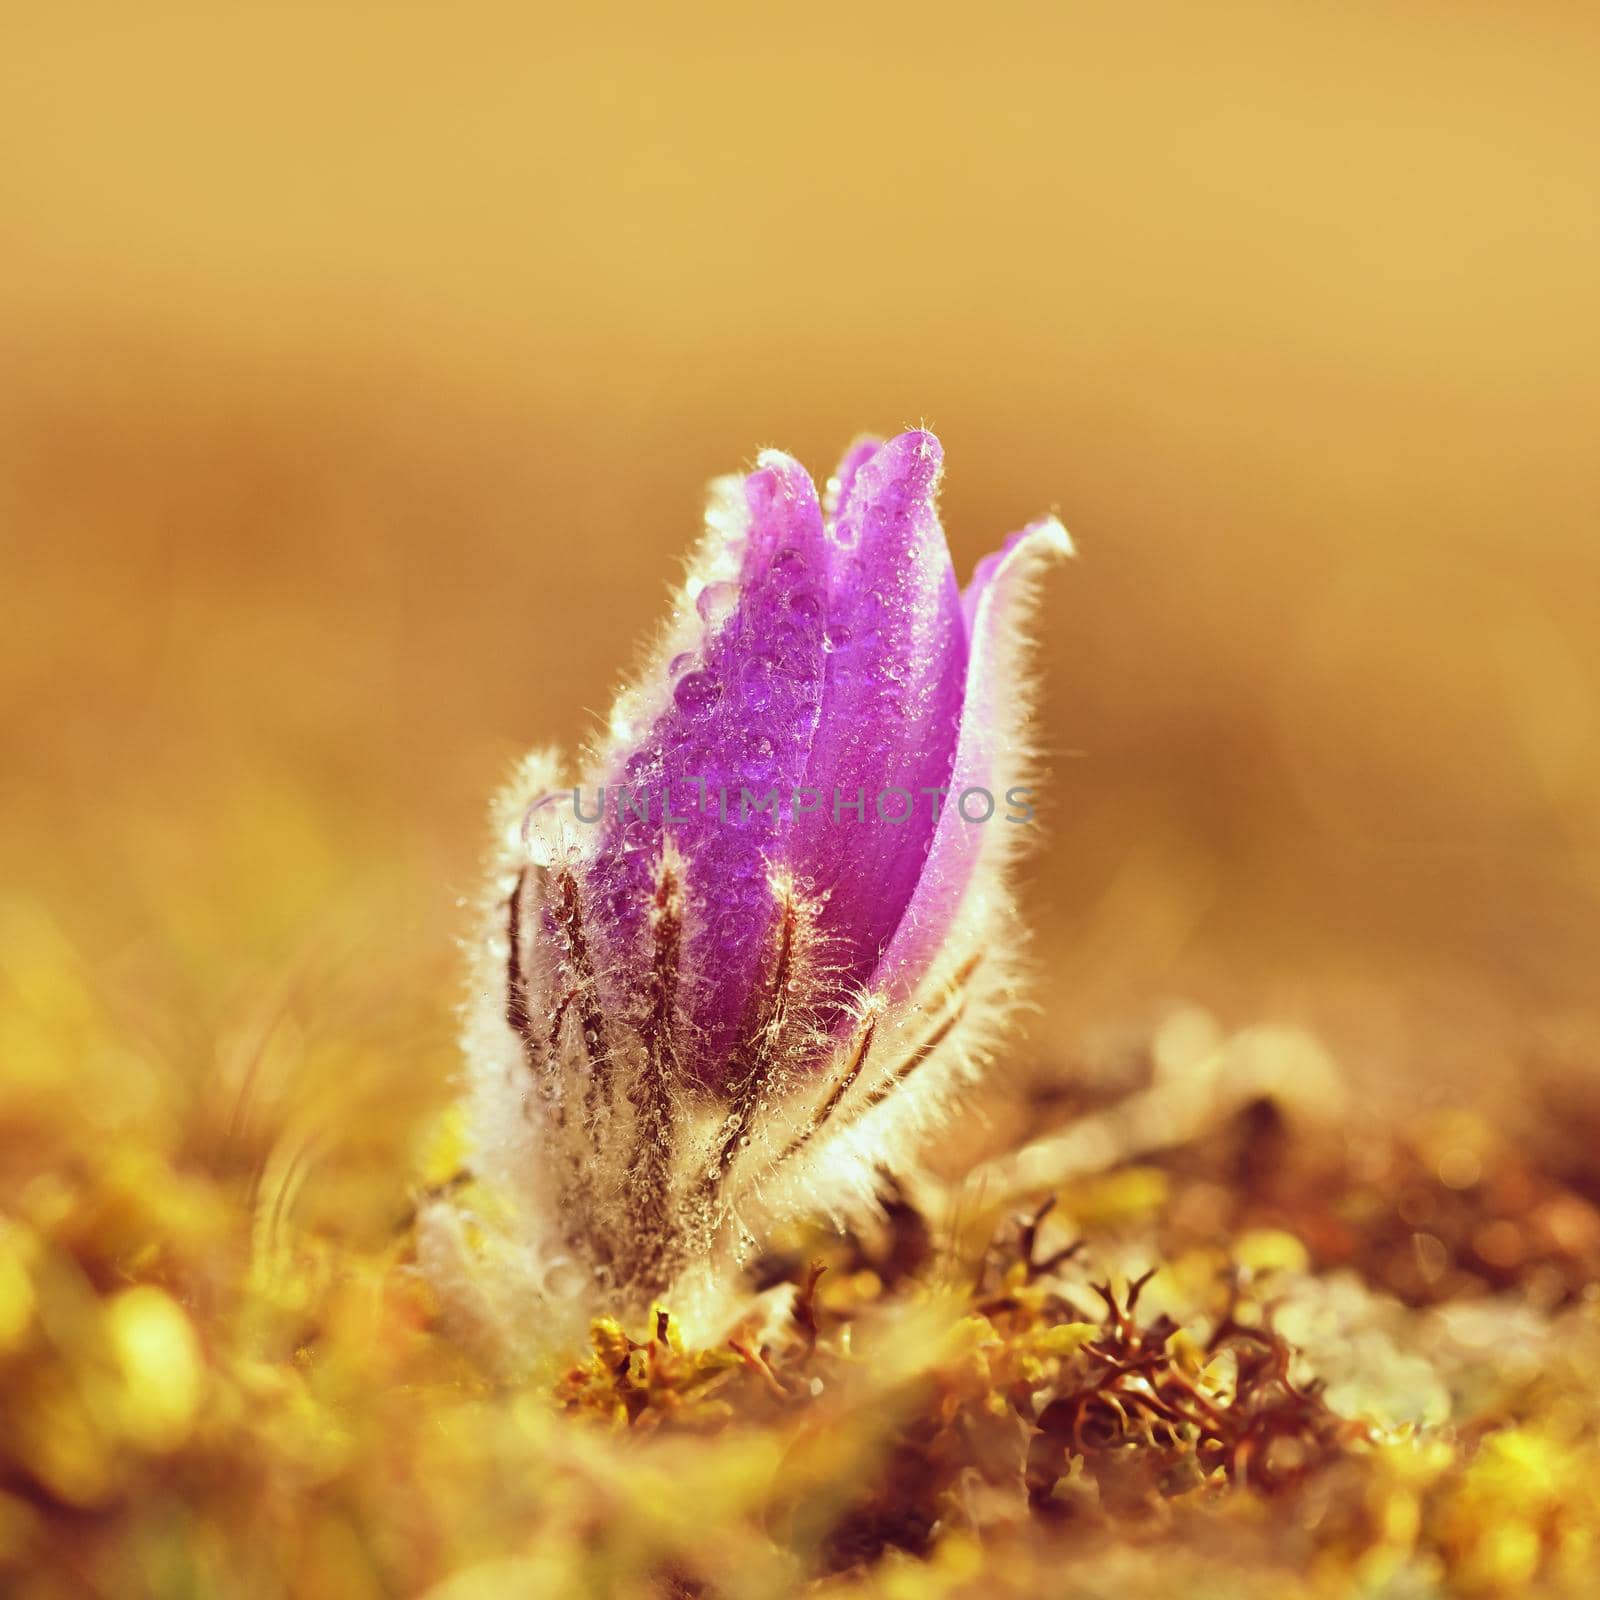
(754, 954)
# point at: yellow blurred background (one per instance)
(363, 366)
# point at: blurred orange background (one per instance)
(364, 365)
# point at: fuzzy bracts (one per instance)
(749, 960)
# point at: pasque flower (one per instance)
(753, 956)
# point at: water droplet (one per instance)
(715, 603)
(679, 662)
(562, 1278)
(756, 684)
(805, 603)
(789, 561)
(697, 693)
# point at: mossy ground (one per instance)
(1279, 1356)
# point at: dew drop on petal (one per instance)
(805, 602)
(756, 675)
(697, 693)
(715, 603)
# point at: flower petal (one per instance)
(896, 662)
(839, 485)
(964, 855)
(741, 715)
